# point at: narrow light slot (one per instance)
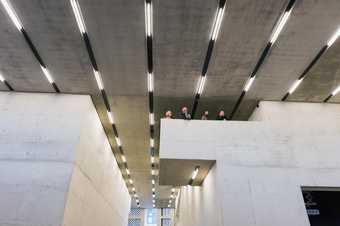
(153, 201)
(148, 19)
(333, 38)
(110, 116)
(171, 196)
(130, 181)
(153, 205)
(78, 15)
(133, 189)
(280, 26)
(295, 85)
(152, 159)
(2, 79)
(169, 206)
(128, 172)
(153, 189)
(201, 85)
(119, 143)
(194, 175)
(153, 196)
(47, 74)
(98, 79)
(249, 83)
(153, 172)
(15, 19)
(123, 158)
(217, 24)
(150, 82)
(152, 119)
(170, 201)
(153, 182)
(152, 142)
(336, 91)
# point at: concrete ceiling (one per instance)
(181, 35)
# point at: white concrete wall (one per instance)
(46, 157)
(261, 166)
(200, 206)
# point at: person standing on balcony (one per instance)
(205, 115)
(184, 114)
(221, 116)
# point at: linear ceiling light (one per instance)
(123, 158)
(148, 18)
(119, 143)
(194, 175)
(98, 78)
(12, 14)
(152, 118)
(280, 26)
(249, 83)
(127, 171)
(217, 23)
(78, 15)
(2, 79)
(152, 142)
(47, 74)
(130, 181)
(110, 116)
(201, 85)
(334, 92)
(150, 82)
(303, 75)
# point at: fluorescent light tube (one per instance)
(130, 181)
(127, 172)
(153, 201)
(150, 82)
(78, 15)
(153, 189)
(153, 196)
(201, 85)
(169, 206)
(170, 201)
(153, 172)
(2, 79)
(280, 26)
(217, 24)
(123, 158)
(12, 14)
(295, 85)
(47, 74)
(109, 115)
(133, 189)
(152, 159)
(153, 205)
(194, 175)
(336, 91)
(152, 142)
(333, 38)
(119, 143)
(98, 79)
(249, 83)
(152, 118)
(148, 19)
(153, 181)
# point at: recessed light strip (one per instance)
(194, 175)
(304, 74)
(2, 79)
(213, 37)
(273, 37)
(16, 21)
(334, 92)
(82, 28)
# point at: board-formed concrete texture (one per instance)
(56, 165)
(262, 164)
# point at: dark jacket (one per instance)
(185, 116)
(221, 118)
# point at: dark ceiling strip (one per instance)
(8, 86)
(307, 69)
(275, 33)
(215, 30)
(328, 98)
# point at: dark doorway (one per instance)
(322, 206)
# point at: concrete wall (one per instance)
(261, 166)
(56, 166)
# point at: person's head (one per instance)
(184, 109)
(168, 114)
(206, 113)
(221, 113)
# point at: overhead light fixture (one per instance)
(171, 196)
(153, 172)
(153, 181)
(153, 195)
(152, 142)
(217, 23)
(152, 118)
(153, 205)
(148, 18)
(169, 206)
(336, 91)
(173, 190)
(78, 15)
(123, 158)
(110, 116)
(152, 159)
(130, 181)
(295, 85)
(249, 83)
(2, 79)
(153, 201)
(15, 19)
(47, 74)
(150, 82)
(127, 171)
(170, 201)
(119, 143)
(153, 189)
(201, 85)
(98, 79)
(133, 189)
(333, 38)
(280, 26)
(194, 175)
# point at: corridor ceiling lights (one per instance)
(12, 14)
(17, 23)
(213, 37)
(98, 77)
(273, 37)
(152, 118)
(79, 16)
(148, 18)
(152, 142)
(295, 85)
(194, 175)
(334, 92)
(2, 79)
